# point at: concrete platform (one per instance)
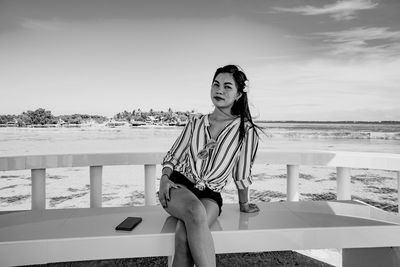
(33, 237)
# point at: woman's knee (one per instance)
(195, 213)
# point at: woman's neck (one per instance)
(221, 115)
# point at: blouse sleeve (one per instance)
(242, 169)
(179, 148)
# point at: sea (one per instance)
(123, 185)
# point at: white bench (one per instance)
(367, 235)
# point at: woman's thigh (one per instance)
(180, 200)
(212, 210)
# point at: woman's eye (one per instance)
(227, 87)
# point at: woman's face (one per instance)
(224, 91)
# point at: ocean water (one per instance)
(287, 136)
(123, 185)
(383, 138)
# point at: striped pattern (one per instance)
(229, 159)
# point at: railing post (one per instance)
(398, 192)
(96, 184)
(292, 186)
(150, 184)
(38, 189)
(343, 183)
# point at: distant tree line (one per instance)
(159, 116)
(41, 116)
(82, 118)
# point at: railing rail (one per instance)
(343, 161)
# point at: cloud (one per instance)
(341, 10)
(322, 89)
(363, 33)
(373, 42)
(40, 25)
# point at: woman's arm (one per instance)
(243, 195)
(165, 185)
(178, 149)
(173, 157)
(166, 171)
(242, 171)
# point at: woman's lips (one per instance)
(218, 98)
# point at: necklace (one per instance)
(228, 118)
(225, 122)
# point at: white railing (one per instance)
(343, 161)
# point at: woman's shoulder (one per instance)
(196, 117)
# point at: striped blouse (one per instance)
(227, 159)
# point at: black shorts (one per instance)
(179, 178)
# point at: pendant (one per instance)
(205, 152)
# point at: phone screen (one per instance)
(128, 224)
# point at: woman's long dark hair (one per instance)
(241, 106)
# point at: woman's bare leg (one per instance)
(185, 206)
(212, 210)
(182, 256)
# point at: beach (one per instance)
(69, 188)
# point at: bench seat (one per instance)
(44, 236)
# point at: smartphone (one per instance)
(128, 224)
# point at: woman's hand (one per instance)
(248, 207)
(164, 191)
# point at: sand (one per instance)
(69, 187)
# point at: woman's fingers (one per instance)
(168, 193)
(165, 201)
(176, 185)
(162, 198)
(254, 207)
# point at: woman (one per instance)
(210, 150)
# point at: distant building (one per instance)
(13, 123)
(60, 122)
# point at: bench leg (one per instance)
(170, 260)
(371, 257)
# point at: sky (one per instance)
(305, 59)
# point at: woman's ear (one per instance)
(239, 95)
